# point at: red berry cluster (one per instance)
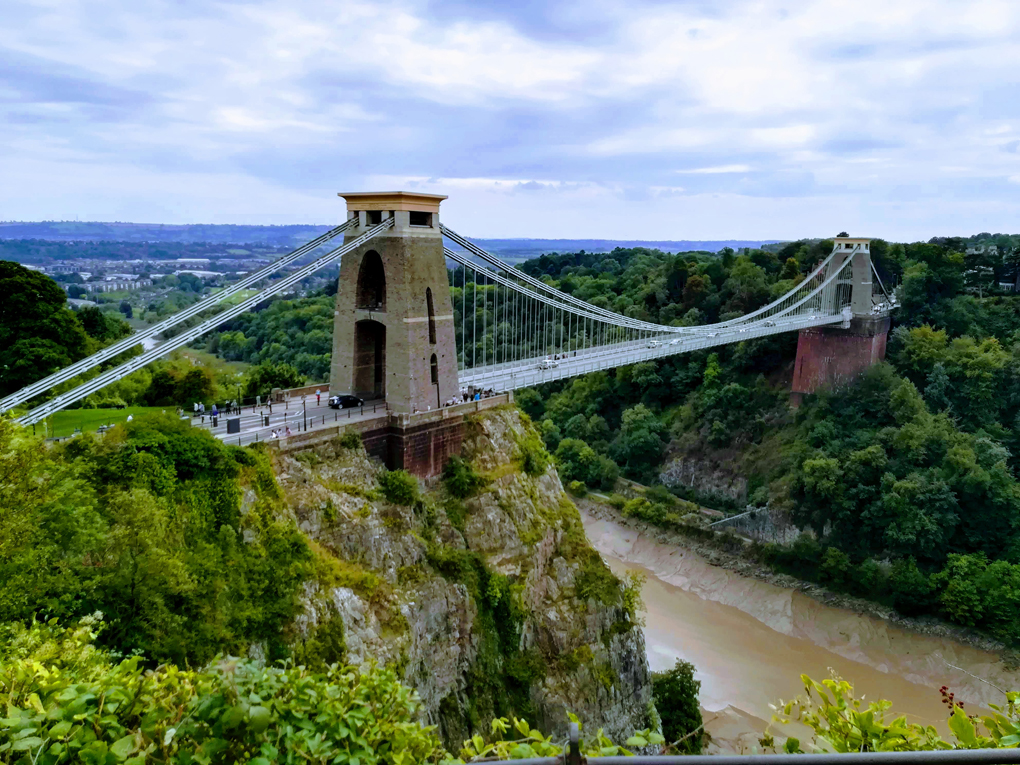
(949, 699)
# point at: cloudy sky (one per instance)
(635, 119)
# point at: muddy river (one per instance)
(750, 641)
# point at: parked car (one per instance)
(345, 402)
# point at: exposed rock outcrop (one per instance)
(488, 605)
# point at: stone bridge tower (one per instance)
(831, 356)
(393, 333)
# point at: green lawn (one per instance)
(63, 423)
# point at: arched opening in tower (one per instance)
(370, 359)
(434, 370)
(371, 293)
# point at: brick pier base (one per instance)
(420, 443)
(829, 356)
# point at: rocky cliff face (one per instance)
(489, 604)
(706, 476)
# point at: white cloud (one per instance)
(716, 170)
(856, 104)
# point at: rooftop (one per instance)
(392, 200)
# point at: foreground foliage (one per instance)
(841, 722)
(66, 701)
(146, 526)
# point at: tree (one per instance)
(38, 333)
(261, 379)
(675, 692)
(196, 386)
(125, 308)
(695, 290)
(936, 392)
(639, 445)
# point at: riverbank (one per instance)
(745, 566)
(750, 640)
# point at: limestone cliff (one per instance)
(490, 604)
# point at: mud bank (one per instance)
(751, 639)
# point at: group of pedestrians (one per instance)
(466, 396)
(229, 408)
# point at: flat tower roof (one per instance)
(392, 200)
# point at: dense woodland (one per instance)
(903, 483)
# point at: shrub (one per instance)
(399, 487)
(618, 501)
(577, 488)
(460, 478)
(534, 457)
(835, 568)
(604, 473)
(235, 710)
(595, 580)
(676, 698)
(350, 439)
(868, 579)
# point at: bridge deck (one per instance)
(527, 372)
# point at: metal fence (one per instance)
(573, 756)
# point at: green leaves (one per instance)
(843, 723)
(963, 728)
(97, 711)
(259, 719)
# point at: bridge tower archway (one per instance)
(370, 359)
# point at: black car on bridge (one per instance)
(345, 402)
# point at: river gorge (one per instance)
(750, 641)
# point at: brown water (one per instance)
(750, 641)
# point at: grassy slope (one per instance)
(63, 423)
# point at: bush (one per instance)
(460, 478)
(911, 589)
(577, 488)
(676, 698)
(350, 439)
(399, 487)
(604, 473)
(89, 709)
(534, 457)
(835, 568)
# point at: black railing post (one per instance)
(574, 749)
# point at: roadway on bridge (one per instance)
(525, 373)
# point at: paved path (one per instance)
(292, 415)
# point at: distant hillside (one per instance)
(515, 250)
(511, 249)
(74, 231)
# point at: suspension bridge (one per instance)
(418, 321)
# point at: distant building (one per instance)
(80, 303)
(978, 249)
(200, 274)
(115, 285)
